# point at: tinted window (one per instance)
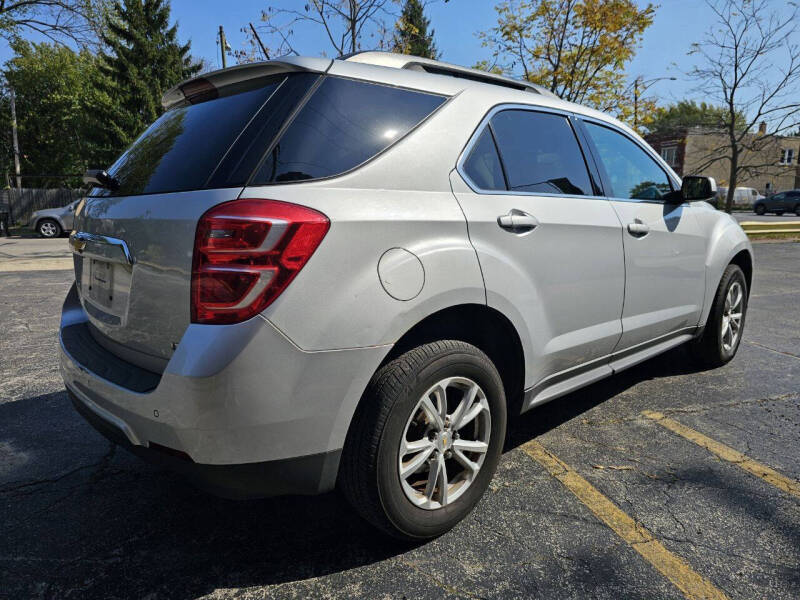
(483, 165)
(183, 147)
(540, 153)
(344, 124)
(632, 173)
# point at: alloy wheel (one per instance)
(48, 229)
(732, 316)
(444, 443)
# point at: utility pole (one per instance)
(223, 45)
(14, 138)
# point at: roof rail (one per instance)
(417, 63)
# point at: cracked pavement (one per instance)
(80, 519)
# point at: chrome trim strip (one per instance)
(79, 239)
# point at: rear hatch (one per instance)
(133, 244)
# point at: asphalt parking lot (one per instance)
(595, 497)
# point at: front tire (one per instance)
(48, 228)
(760, 209)
(797, 209)
(426, 440)
(725, 326)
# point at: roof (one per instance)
(222, 77)
(428, 65)
(389, 68)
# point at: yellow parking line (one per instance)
(674, 568)
(727, 453)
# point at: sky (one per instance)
(663, 51)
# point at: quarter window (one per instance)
(344, 124)
(630, 170)
(540, 153)
(483, 165)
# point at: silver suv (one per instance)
(314, 273)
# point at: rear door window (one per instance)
(540, 153)
(344, 124)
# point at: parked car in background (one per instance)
(367, 266)
(779, 203)
(743, 196)
(53, 222)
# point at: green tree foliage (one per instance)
(411, 32)
(688, 113)
(143, 60)
(54, 88)
(578, 49)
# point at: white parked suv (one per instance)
(314, 273)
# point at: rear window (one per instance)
(221, 141)
(194, 145)
(344, 124)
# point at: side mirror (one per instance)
(697, 187)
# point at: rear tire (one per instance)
(48, 228)
(723, 332)
(797, 209)
(379, 476)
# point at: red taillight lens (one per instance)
(245, 254)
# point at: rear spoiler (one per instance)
(206, 86)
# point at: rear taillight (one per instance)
(245, 254)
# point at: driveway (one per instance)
(662, 482)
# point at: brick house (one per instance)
(776, 160)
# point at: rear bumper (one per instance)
(240, 410)
(303, 475)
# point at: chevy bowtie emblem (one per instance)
(77, 243)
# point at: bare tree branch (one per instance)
(751, 64)
(345, 22)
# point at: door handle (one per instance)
(638, 228)
(517, 221)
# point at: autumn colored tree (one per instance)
(578, 49)
(411, 32)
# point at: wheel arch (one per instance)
(728, 244)
(55, 220)
(482, 326)
(744, 260)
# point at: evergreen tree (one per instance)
(411, 32)
(144, 59)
